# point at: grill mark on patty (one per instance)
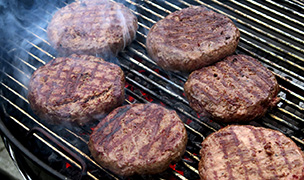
(137, 130)
(222, 143)
(120, 113)
(95, 96)
(111, 147)
(239, 153)
(254, 80)
(156, 115)
(83, 33)
(144, 150)
(155, 120)
(253, 64)
(282, 150)
(215, 175)
(53, 64)
(216, 87)
(258, 161)
(260, 137)
(266, 78)
(254, 156)
(178, 25)
(71, 85)
(208, 95)
(254, 91)
(117, 119)
(237, 82)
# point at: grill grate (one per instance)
(271, 31)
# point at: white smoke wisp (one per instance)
(24, 43)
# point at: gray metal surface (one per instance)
(7, 166)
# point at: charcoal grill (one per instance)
(271, 31)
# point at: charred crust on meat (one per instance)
(76, 89)
(138, 139)
(248, 152)
(92, 27)
(236, 89)
(191, 38)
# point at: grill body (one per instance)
(271, 31)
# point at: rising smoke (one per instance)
(23, 36)
(23, 29)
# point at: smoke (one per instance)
(23, 34)
(23, 37)
(22, 30)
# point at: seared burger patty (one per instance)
(247, 152)
(138, 139)
(239, 88)
(92, 27)
(77, 89)
(191, 38)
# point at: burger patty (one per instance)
(239, 88)
(247, 152)
(92, 27)
(191, 38)
(138, 139)
(79, 88)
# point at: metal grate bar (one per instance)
(160, 7)
(147, 59)
(152, 82)
(52, 147)
(269, 52)
(275, 55)
(276, 13)
(144, 8)
(281, 58)
(253, 27)
(29, 53)
(284, 69)
(286, 101)
(193, 156)
(269, 17)
(292, 93)
(55, 135)
(259, 21)
(38, 37)
(14, 80)
(278, 119)
(151, 71)
(17, 69)
(14, 92)
(297, 140)
(180, 110)
(275, 65)
(27, 129)
(285, 8)
(190, 167)
(292, 115)
(296, 3)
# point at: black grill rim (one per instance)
(22, 151)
